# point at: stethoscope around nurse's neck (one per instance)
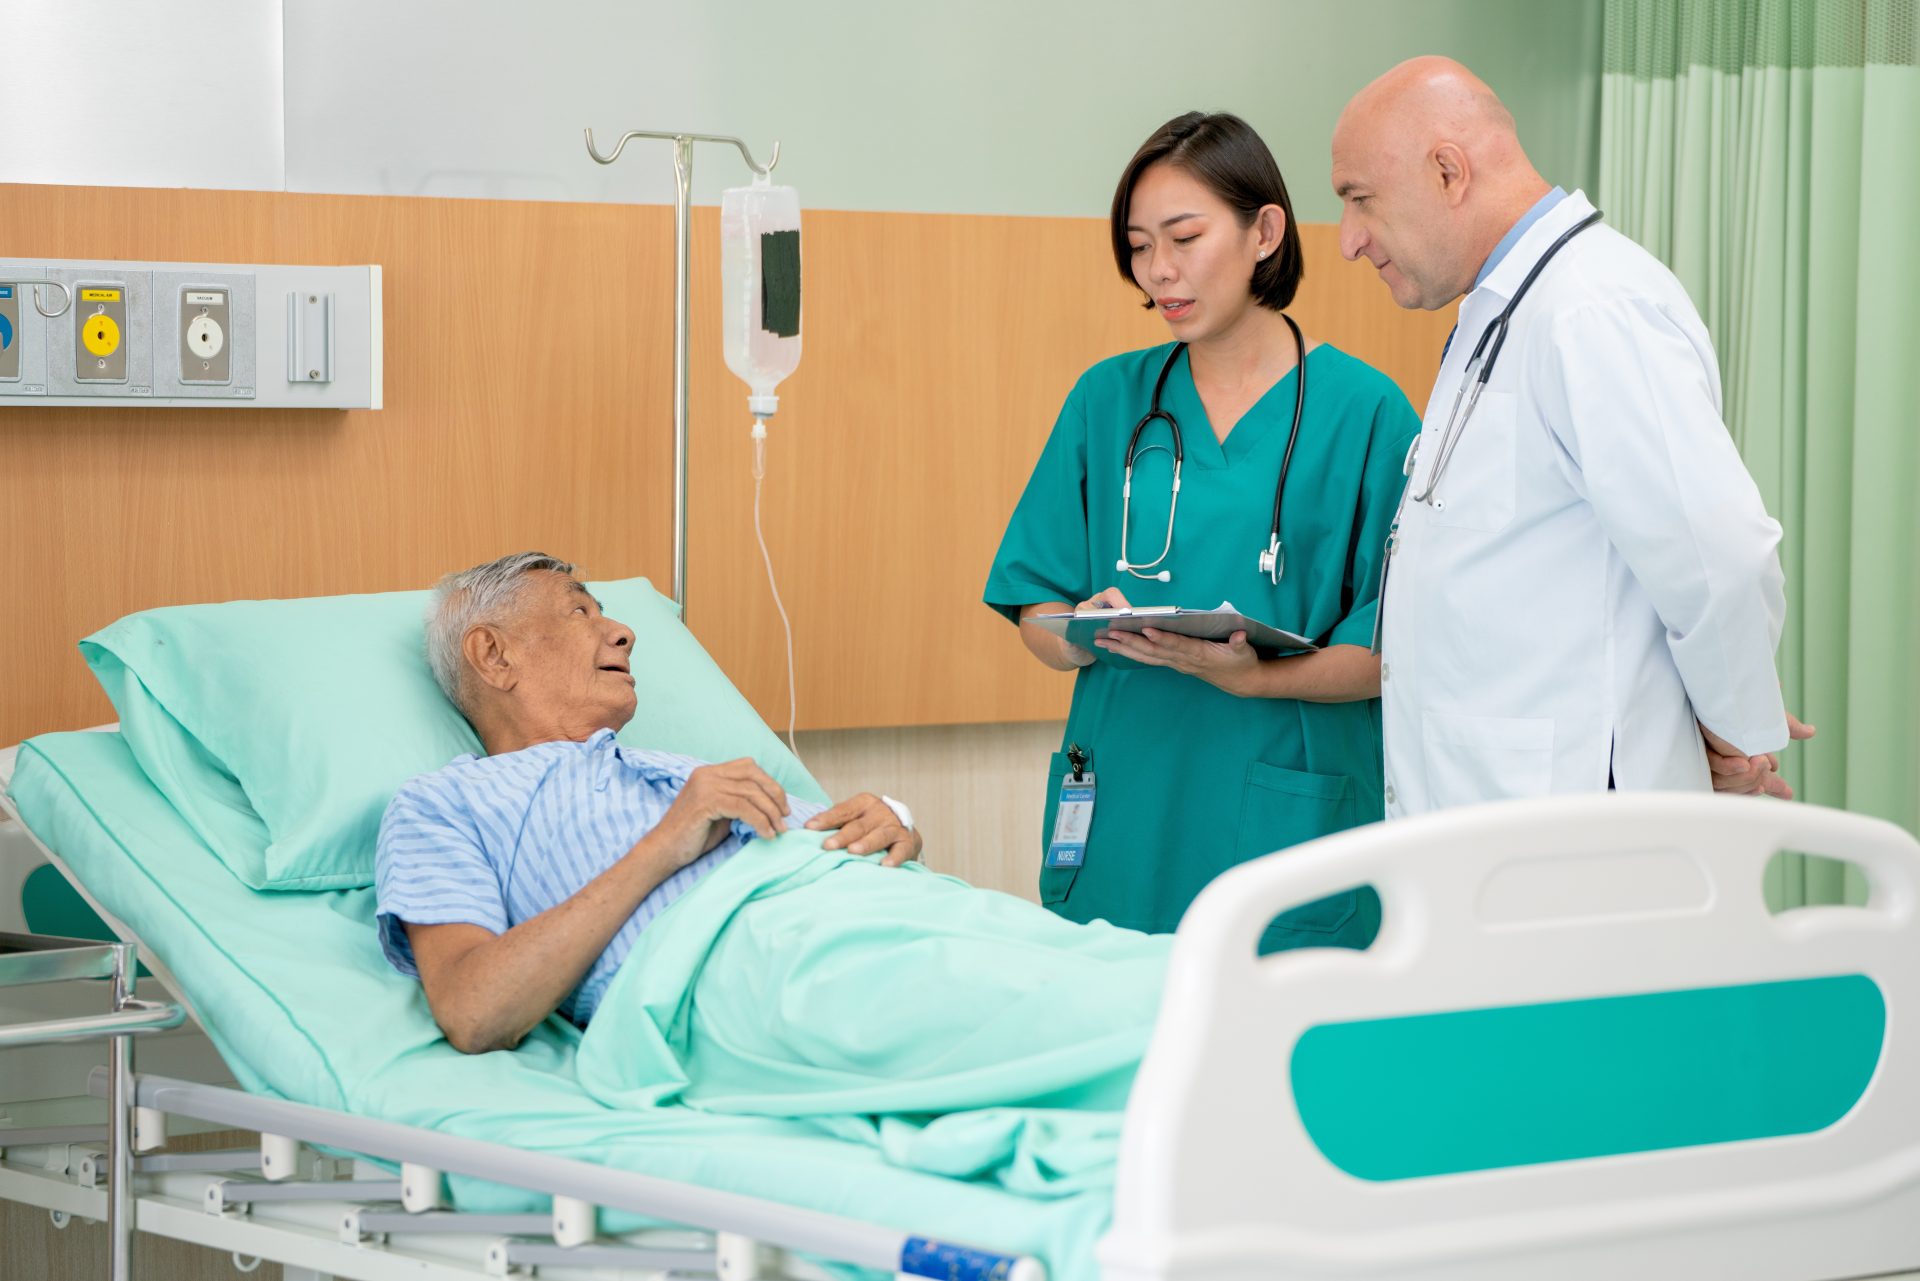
(1273, 560)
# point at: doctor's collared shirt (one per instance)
(1596, 568)
(496, 840)
(1541, 208)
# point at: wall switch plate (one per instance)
(100, 337)
(206, 336)
(10, 335)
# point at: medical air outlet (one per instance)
(760, 334)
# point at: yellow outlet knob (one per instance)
(101, 335)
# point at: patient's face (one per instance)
(574, 663)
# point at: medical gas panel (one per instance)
(180, 333)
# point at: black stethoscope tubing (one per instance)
(1492, 338)
(1485, 353)
(1271, 562)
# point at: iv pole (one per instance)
(683, 241)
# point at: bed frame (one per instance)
(1525, 905)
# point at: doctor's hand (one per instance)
(1230, 665)
(867, 824)
(1738, 774)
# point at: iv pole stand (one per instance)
(683, 243)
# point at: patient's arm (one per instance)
(489, 990)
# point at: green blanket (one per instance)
(959, 1031)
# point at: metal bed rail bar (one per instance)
(732, 1214)
(139, 1016)
(27, 958)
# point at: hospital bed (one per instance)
(1581, 1047)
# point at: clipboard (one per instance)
(1083, 629)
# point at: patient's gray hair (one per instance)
(486, 593)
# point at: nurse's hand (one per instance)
(1231, 665)
(1112, 598)
(1058, 652)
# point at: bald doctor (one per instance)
(1583, 590)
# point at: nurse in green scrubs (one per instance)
(1205, 754)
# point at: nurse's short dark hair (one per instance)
(1225, 154)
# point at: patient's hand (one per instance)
(866, 824)
(716, 795)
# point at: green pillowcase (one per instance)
(280, 729)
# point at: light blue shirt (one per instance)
(1541, 208)
(496, 840)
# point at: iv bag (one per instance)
(760, 287)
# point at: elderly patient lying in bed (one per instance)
(720, 949)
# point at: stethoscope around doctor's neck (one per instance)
(1480, 369)
(1475, 376)
(1273, 561)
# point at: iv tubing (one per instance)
(759, 476)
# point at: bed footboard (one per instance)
(1581, 1047)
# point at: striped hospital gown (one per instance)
(497, 840)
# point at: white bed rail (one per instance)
(1523, 904)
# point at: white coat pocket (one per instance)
(1476, 489)
(1485, 758)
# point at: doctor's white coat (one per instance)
(1597, 569)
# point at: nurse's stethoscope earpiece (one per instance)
(1273, 559)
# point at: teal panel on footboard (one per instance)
(1434, 1094)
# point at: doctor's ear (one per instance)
(1450, 167)
(484, 648)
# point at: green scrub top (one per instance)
(1191, 780)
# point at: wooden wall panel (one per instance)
(528, 393)
(937, 353)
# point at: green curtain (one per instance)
(1769, 152)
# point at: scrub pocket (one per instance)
(1486, 758)
(1286, 807)
(1057, 882)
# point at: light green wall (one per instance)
(980, 106)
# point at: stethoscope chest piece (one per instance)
(1273, 561)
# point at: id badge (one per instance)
(1071, 822)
